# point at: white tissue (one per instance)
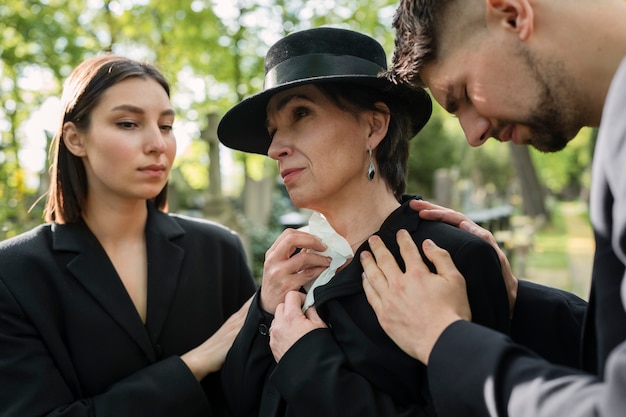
(338, 249)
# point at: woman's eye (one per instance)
(300, 112)
(167, 128)
(126, 124)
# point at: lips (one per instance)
(506, 134)
(154, 170)
(289, 174)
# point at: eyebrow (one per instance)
(139, 110)
(451, 102)
(285, 100)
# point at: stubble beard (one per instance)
(552, 124)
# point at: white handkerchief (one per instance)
(338, 249)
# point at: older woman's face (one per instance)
(321, 150)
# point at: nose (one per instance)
(279, 147)
(475, 127)
(155, 140)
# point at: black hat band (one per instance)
(319, 65)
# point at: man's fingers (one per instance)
(384, 259)
(372, 271)
(408, 250)
(374, 281)
(372, 293)
(429, 211)
(377, 271)
(423, 205)
(441, 260)
(481, 232)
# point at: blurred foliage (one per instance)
(212, 52)
(567, 173)
(441, 144)
(263, 237)
(434, 147)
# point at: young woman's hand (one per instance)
(210, 355)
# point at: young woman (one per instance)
(115, 308)
(339, 133)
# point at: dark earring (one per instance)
(371, 170)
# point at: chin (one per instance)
(550, 141)
(298, 203)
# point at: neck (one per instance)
(360, 241)
(114, 223)
(360, 219)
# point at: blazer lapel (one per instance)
(348, 280)
(93, 269)
(166, 259)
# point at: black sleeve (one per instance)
(478, 262)
(549, 322)
(248, 363)
(502, 378)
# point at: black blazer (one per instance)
(549, 321)
(353, 368)
(72, 342)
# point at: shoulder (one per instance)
(444, 235)
(611, 135)
(29, 241)
(27, 255)
(191, 224)
(203, 230)
(451, 237)
(532, 294)
(618, 85)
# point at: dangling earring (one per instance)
(371, 170)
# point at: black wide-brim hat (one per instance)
(315, 56)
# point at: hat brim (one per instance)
(243, 127)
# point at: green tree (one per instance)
(212, 52)
(40, 44)
(566, 174)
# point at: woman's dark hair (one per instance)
(81, 94)
(393, 151)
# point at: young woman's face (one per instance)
(321, 150)
(129, 147)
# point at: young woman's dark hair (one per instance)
(82, 91)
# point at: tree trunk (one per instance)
(533, 194)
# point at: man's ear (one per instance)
(379, 124)
(73, 139)
(513, 15)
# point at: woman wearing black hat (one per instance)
(339, 132)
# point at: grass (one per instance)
(549, 250)
(561, 254)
